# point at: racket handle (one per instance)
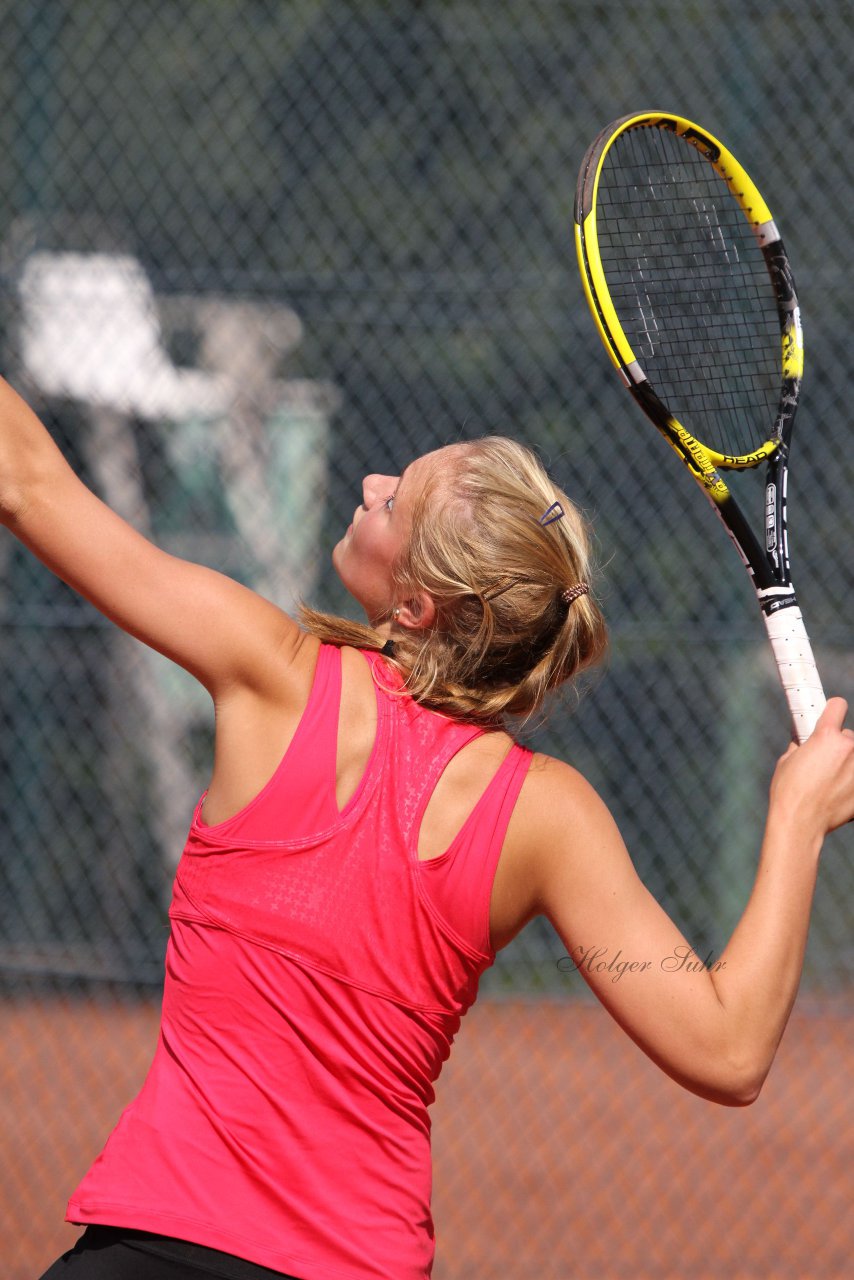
(796, 664)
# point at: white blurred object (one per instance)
(90, 331)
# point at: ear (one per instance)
(418, 613)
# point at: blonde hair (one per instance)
(503, 636)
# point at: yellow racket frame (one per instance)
(702, 460)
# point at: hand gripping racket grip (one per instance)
(796, 664)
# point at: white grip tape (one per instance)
(797, 668)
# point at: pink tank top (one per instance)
(316, 975)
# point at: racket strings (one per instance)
(690, 288)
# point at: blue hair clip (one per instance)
(551, 514)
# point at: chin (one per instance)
(336, 556)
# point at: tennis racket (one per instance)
(693, 296)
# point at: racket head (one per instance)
(691, 290)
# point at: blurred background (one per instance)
(252, 249)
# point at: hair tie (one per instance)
(572, 593)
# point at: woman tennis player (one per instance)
(371, 836)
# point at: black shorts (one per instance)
(116, 1253)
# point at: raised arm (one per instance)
(714, 1029)
(217, 629)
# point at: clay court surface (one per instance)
(560, 1152)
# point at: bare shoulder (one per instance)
(548, 774)
(558, 823)
(280, 671)
(556, 797)
(256, 720)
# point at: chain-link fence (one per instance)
(253, 249)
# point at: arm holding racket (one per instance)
(714, 1027)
